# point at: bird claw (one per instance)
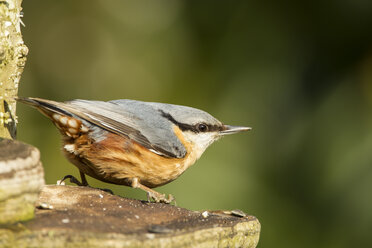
(72, 180)
(78, 183)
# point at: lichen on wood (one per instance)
(74, 216)
(13, 53)
(21, 178)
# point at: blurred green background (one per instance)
(298, 72)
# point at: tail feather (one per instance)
(47, 107)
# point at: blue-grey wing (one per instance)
(139, 121)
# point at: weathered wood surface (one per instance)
(72, 216)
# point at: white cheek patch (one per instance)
(200, 141)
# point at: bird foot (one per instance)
(72, 180)
(78, 183)
(152, 194)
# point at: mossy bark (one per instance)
(12, 61)
(21, 178)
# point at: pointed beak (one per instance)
(234, 129)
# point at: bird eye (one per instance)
(202, 127)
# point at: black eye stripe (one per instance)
(213, 128)
(193, 128)
(182, 126)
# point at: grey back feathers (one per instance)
(149, 124)
(144, 122)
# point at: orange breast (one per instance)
(118, 159)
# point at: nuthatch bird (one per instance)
(139, 144)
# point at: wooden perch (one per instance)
(86, 217)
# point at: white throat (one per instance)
(200, 141)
